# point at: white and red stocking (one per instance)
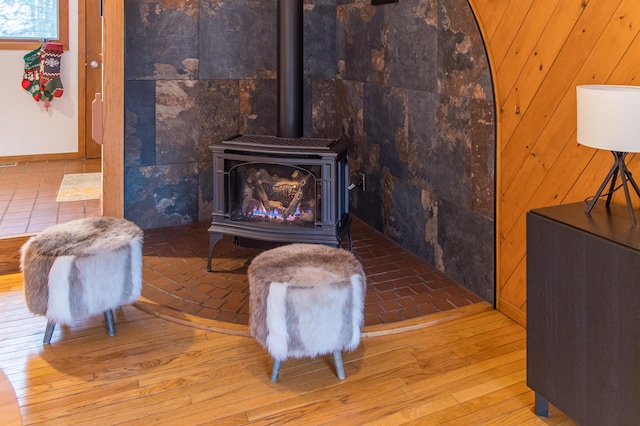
(50, 82)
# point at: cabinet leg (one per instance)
(542, 406)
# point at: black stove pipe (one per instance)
(290, 70)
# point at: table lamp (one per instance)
(609, 118)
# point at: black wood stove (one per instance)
(282, 188)
(277, 189)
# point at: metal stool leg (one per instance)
(48, 332)
(276, 370)
(108, 317)
(337, 359)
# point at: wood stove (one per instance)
(282, 188)
(289, 190)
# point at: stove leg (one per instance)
(214, 237)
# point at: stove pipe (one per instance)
(290, 71)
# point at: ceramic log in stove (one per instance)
(283, 190)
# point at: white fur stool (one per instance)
(82, 268)
(306, 300)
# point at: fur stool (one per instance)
(306, 300)
(82, 268)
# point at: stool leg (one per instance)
(48, 332)
(108, 317)
(337, 359)
(276, 370)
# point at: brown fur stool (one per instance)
(306, 300)
(82, 268)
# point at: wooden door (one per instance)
(93, 71)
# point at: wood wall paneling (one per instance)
(491, 12)
(539, 52)
(514, 12)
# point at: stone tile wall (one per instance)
(197, 72)
(407, 83)
(415, 96)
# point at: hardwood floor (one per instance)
(455, 369)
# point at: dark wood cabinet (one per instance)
(583, 312)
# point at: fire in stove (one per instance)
(277, 194)
(264, 215)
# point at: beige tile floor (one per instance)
(28, 192)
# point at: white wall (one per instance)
(25, 127)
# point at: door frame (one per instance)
(82, 78)
(113, 108)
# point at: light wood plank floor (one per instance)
(466, 370)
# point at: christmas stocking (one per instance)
(31, 76)
(50, 83)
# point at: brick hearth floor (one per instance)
(400, 286)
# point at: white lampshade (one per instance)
(609, 117)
